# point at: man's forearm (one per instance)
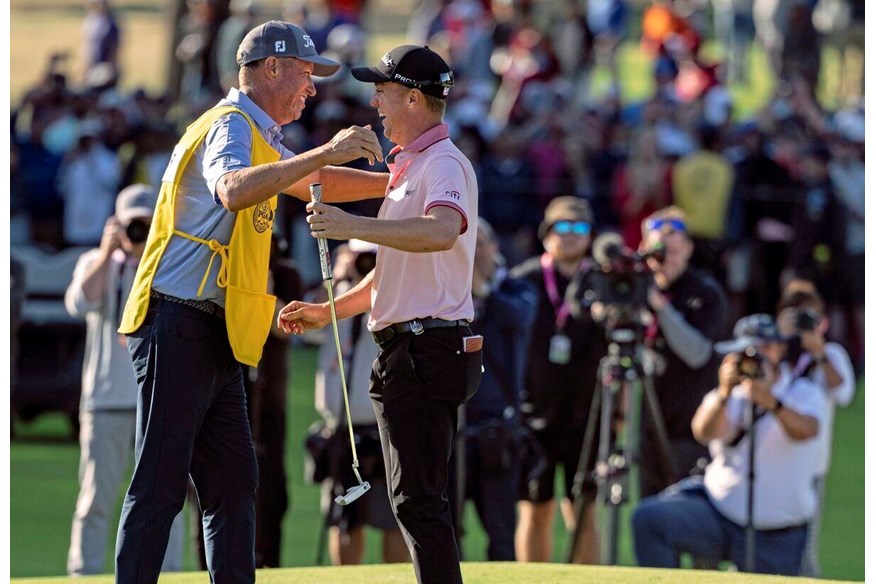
(356, 300)
(244, 188)
(709, 421)
(341, 184)
(435, 232)
(684, 340)
(93, 283)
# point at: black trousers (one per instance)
(191, 420)
(493, 489)
(417, 384)
(266, 398)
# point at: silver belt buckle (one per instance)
(417, 327)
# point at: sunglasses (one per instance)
(571, 227)
(674, 224)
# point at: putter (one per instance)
(325, 264)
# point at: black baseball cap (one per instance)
(412, 66)
(283, 39)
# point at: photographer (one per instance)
(758, 398)
(801, 315)
(346, 525)
(690, 310)
(494, 447)
(561, 377)
(107, 416)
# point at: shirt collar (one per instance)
(429, 137)
(258, 115)
(426, 139)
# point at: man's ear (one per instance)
(272, 66)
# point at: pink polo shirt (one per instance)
(429, 172)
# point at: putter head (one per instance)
(353, 493)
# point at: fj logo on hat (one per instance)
(280, 46)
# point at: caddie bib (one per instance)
(243, 272)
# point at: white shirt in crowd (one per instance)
(784, 468)
(108, 379)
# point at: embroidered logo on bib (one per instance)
(262, 216)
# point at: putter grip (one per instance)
(325, 263)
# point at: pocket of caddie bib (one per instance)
(248, 318)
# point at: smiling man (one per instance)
(199, 304)
(419, 295)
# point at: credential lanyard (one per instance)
(561, 307)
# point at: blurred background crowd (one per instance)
(778, 192)
(769, 195)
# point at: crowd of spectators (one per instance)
(776, 195)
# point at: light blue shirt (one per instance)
(199, 212)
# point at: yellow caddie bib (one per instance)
(249, 310)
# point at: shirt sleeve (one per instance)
(447, 187)
(806, 398)
(74, 298)
(227, 147)
(839, 358)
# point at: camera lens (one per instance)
(751, 364)
(365, 262)
(137, 230)
(806, 320)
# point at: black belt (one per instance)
(416, 326)
(210, 308)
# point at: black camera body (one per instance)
(751, 364)
(806, 319)
(137, 230)
(623, 277)
(622, 285)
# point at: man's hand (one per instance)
(728, 375)
(811, 341)
(111, 239)
(352, 143)
(330, 222)
(656, 298)
(297, 316)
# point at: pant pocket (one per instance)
(473, 372)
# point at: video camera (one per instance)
(623, 278)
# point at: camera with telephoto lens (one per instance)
(623, 278)
(806, 320)
(137, 230)
(750, 364)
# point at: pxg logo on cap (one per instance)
(412, 66)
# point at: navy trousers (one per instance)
(682, 519)
(417, 384)
(191, 420)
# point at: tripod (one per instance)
(622, 381)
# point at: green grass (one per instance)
(473, 573)
(43, 475)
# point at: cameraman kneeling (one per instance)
(708, 520)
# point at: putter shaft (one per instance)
(325, 267)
